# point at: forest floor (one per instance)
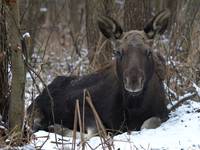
(180, 132)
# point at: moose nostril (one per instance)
(126, 80)
(141, 79)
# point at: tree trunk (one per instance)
(99, 53)
(16, 108)
(32, 20)
(76, 11)
(76, 14)
(136, 14)
(4, 58)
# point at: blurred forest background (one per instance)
(64, 40)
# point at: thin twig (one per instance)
(80, 124)
(89, 101)
(182, 101)
(74, 129)
(48, 92)
(47, 138)
(98, 121)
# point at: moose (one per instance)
(125, 93)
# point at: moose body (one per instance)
(125, 93)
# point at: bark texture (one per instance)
(16, 108)
(99, 52)
(4, 58)
(136, 14)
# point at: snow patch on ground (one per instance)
(197, 88)
(181, 131)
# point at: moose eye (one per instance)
(117, 53)
(148, 52)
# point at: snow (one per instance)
(43, 9)
(26, 35)
(170, 90)
(181, 131)
(197, 88)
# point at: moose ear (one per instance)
(109, 27)
(158, 24)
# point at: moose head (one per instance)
(133, 50)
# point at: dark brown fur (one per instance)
(125, 93)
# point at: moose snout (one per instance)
(134, 84)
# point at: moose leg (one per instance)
(151, 123)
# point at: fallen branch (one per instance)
(182, 100)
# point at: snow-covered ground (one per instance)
(181, 131)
